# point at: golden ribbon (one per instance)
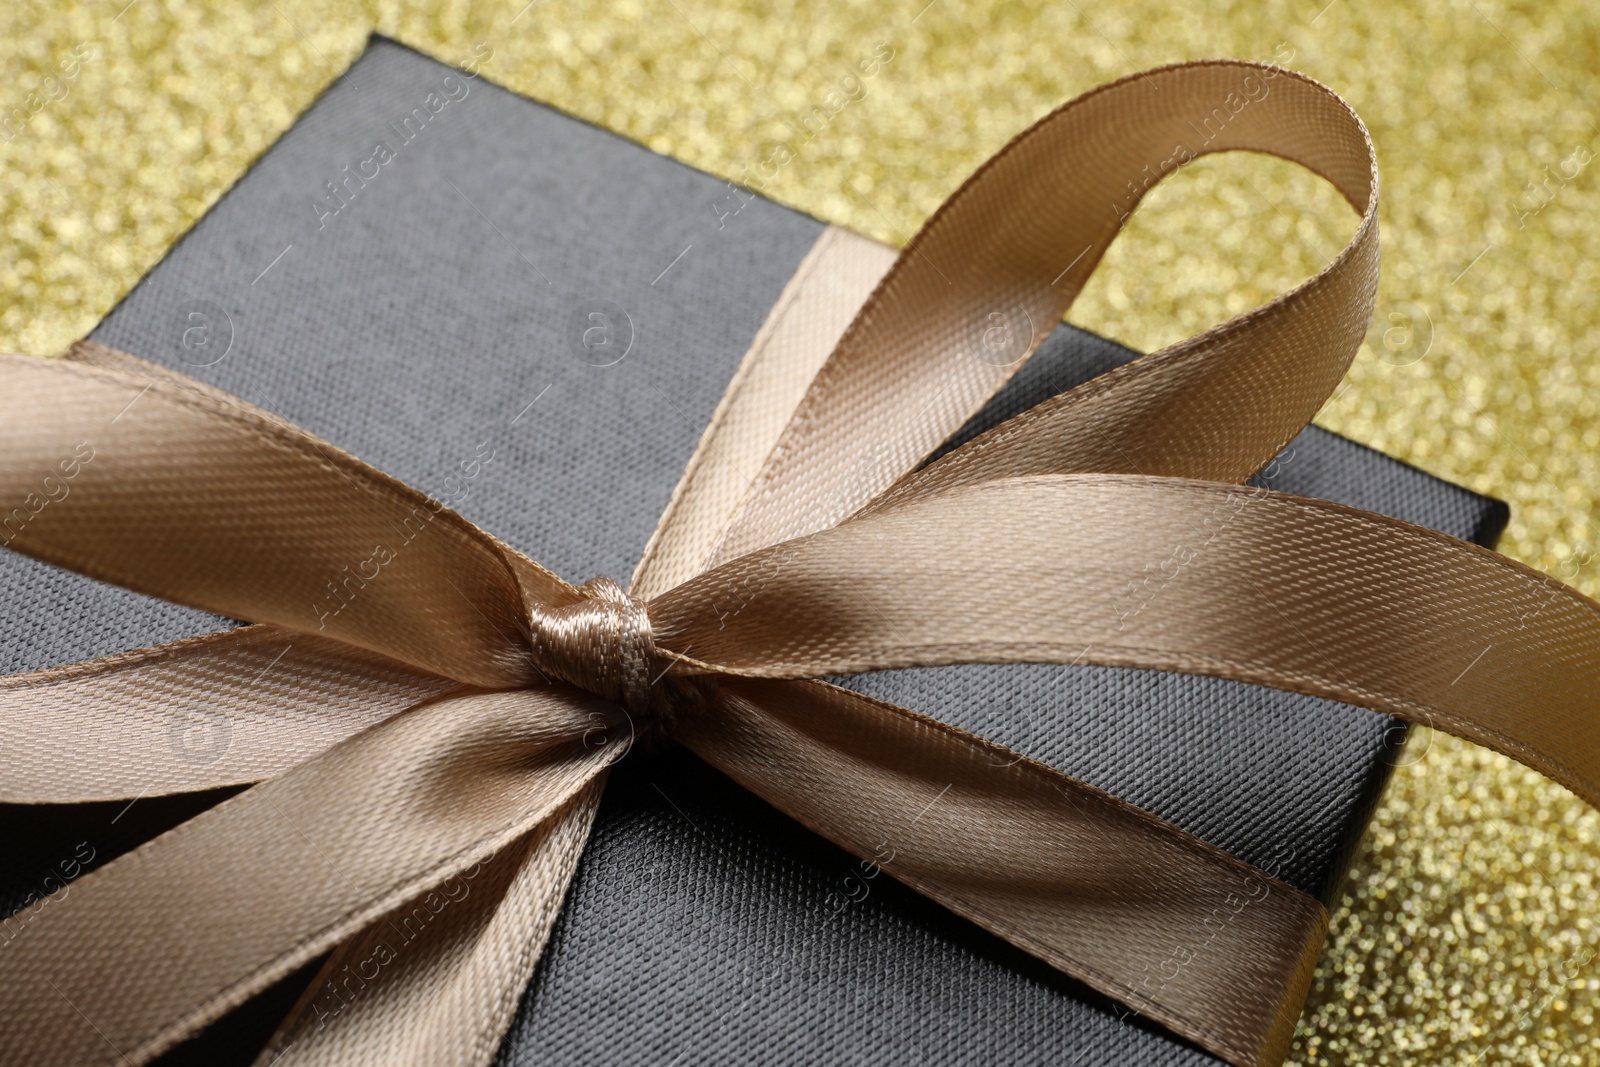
(451, 710)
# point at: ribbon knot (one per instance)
(604, 643)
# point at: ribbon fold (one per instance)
(423, 704)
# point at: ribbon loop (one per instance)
(283, 872)
(998, 265)
(207, 502)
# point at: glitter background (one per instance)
(1468, 932)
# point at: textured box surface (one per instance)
(433, 307)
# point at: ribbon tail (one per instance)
(225, 709)
(159, 943)
(1170, 574)
(1178, 929)
(436, 982)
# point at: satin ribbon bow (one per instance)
(420, 702)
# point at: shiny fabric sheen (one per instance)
(249, 512)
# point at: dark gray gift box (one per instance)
(420, 304)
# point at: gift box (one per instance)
(506, 307)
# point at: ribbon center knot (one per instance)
(604, 644)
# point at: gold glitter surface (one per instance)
(1468, 932)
